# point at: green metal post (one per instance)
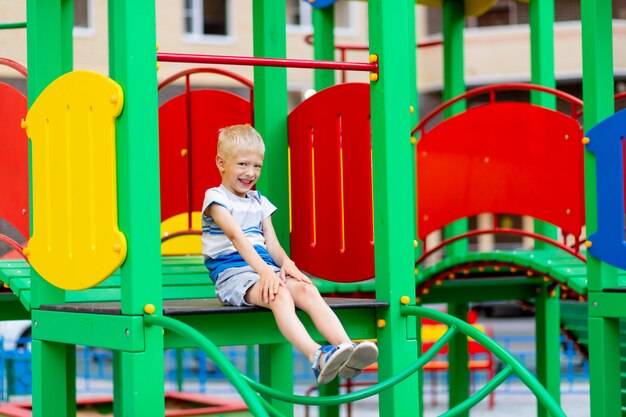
(548, 343)
(453, 12)
(50, 49)
(393, 214)
(56, 397)
(458, 360)
(270, 109)
(270, 119)
(453, 85)
(327, 390)
(276, 371)
(324, 44)
(132, 61)
(598, 90)
(180, 371)
(542, 73)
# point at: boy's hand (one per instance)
(290, 269)
(269, 284)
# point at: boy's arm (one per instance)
(278, 254)
(224, 220)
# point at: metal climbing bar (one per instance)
(481, 394)
(524, 374)
(266, 62)
(232, 373)
(365, 393)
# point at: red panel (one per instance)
(14, 206)
(332, 230)
(512, 158)
(188, 155)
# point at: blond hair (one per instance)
(239, 138)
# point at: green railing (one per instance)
(248, 388)
(16, 25)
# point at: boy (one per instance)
(249, 267)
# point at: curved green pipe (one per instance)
(364, 393)
(524, 374)
(17, 25)
(232, 373)
(480, 394)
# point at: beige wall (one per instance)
(492, 54)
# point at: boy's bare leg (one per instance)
(288, 322)
(308, 298)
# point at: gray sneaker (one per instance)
(363, 355)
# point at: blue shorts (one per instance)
(233, 283)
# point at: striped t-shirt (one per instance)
(249, 212)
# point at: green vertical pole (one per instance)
(270, 108)
(276, 370)
(325, 390)
(132, 62)
(598, 91)
(458, 361)
(414, 119)
(547, 317)
(453, 25)
(270, 119)
(50, 55)
(324, 44)
(54, 398)
(548, 343)
(542, 73)
(393, 214)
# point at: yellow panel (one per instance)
(76, 242)
(185, 244)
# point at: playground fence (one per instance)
(191, 370)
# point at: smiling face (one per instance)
(240, 172)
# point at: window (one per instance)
(299, 16)
(206, 19)
(83, 17)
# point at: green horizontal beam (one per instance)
(116, 332)
(607, 304)
(260, 328)
(476, 290)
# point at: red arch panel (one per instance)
(514, 158)
(331, 184)
(188, 128)
(14, 206)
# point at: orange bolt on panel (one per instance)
(405, 300)
(149, 308)
(411, 109)
(381, 323)
(588, 244)
(183, 152)
(373, 58)
(373, 76)
(586, 140)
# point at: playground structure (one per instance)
(127, 308)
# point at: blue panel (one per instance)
(606, 143)
(320, 4)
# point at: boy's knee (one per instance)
(306, 290)
(282, 297)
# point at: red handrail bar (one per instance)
(577, 104)
(15, 65)
(14, 245)
(242, 80)
(309, 39)
(620, 96)
(523, 233)
(343, 48)
(266, 62)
